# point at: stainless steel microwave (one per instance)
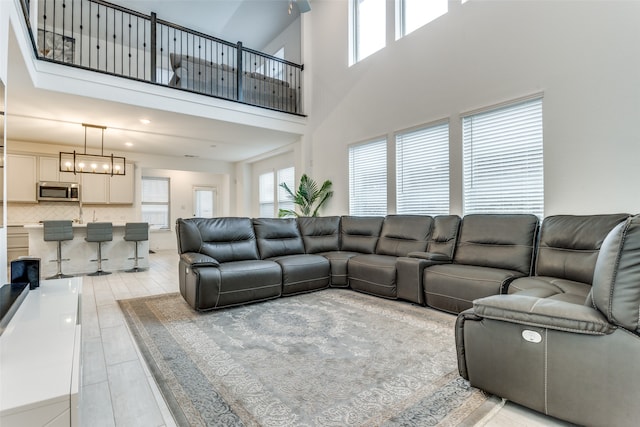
(59, 191)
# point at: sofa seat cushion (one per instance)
(303, 273)
(374, 274)
(453, 287)
(237, 282)
(551, 288)
(339, 261)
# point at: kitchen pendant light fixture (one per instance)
(92, 163)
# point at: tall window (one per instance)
(155, 201)
(503, 170)
(368, 28)
(368, 178)
(413, 14)
(272, 197)
(422, 171)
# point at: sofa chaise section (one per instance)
(376, 273)
(566, 256)
(280, 241)
(358, 235)
(220, 266)
(492, 250)
(577, 361)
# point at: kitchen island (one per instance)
(116, 253)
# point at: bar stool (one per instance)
(99, 232)
(58, 231)
(136, 232)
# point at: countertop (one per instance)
(75, 225)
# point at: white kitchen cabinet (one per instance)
(49, 170)
(106, 189)
(21, 178)
(121, 188)
(95, 189)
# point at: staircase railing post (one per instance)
(240, 94)
(154, 49)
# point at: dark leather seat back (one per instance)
(616, 281)
(569, 245)
(445, 235)
(225, 239)
(498, 241)
(402, 234)
(360, 233)
(320, 234)
(278, 237)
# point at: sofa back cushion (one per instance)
(278, 237)
(616, 280)
(402, 234)
(497, 240)
(445, 235)
(360, 233)
(569, 245)
(320, 234)
(225, 239)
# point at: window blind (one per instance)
(503, 160)
(287, 176)
(422, 171)
(265, 195)
(155, 201)
(368, 178)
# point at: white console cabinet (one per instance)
(40, 352)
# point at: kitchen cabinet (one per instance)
(17, 242)
(106, 189)
(21, 178)
(49, 170)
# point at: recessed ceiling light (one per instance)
(129, 144)
(145, 121)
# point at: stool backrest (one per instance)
(57, 230)
(99, 232)
(136, 231)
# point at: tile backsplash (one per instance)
(30, 213)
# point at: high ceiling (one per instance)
(48, 116)
(253, 22)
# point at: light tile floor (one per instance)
(117, 387)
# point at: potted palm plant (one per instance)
(309, 197)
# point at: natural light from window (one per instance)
(414, 14)
(369, 27)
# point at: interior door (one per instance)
(204, 202)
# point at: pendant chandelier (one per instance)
(92, 163)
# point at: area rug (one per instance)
(328, 358)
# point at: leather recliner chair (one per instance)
(576, 362)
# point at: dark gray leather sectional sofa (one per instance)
(554, 322)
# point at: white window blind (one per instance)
(422, 171)
(368, 178)
(503, 162)
(266, 195)
(155, 201)
(287, 176)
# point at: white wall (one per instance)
(290, 40)
(4, 55)
(581, 55)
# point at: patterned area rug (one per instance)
(328, 358)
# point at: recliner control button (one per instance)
(531, 336)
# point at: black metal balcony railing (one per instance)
(103, 37)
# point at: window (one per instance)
(155, 202)
(422, 171)
(368, 178)
(368, 28)
(413, 14)
(502, 150)
(272, 197)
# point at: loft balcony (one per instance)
(110, 39)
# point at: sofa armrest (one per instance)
(195, 259)
(543, 312)
(430, 256)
